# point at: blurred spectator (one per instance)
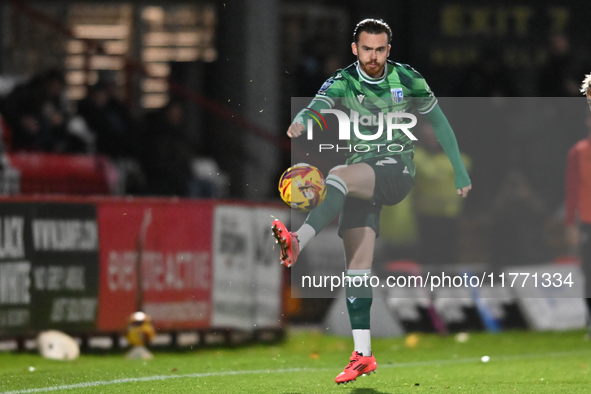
(168, 157)
(518, 221)
(38, 116)
(109, 121)
(436, 202)
(111, 126)
(559, 77)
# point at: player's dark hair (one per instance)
(372, 26)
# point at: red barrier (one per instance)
(69, 174)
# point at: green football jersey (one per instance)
(400, 89)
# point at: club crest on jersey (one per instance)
(326, 85)
(397, 95)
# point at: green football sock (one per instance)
(359, 298)
(322, 215)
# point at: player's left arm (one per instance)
(427, 105)
(447, 139)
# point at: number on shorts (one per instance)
(387, 160)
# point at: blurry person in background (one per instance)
(40, 118)
(109, 122)
(168, 155)
(111, 127)
(37, 114)
(436, 205)
(578, 198)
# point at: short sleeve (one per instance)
(335, 86)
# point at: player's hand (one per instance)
(572, 235)
(464, 191)
(295, 130)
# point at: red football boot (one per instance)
(288, 242)
(358, 365)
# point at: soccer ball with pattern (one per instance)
(302, 187)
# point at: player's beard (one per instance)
(375, 72)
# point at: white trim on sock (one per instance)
(305, 234)
(337, 182)
(359, 277)
(359, 272)
(362, 340)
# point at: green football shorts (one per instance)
(394, 181)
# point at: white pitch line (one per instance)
(267, 371)
(147, 379)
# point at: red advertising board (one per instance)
(176, 264)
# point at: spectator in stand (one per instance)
(38, 116)
(168, 155)
(108, 122)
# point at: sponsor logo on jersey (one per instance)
(360, 97)
(339, 75)
(326, 85)
(397, 95)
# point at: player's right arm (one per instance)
(333, 87)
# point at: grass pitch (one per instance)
(307, 362)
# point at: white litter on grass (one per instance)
(462, 337)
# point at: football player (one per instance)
(370, 178)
